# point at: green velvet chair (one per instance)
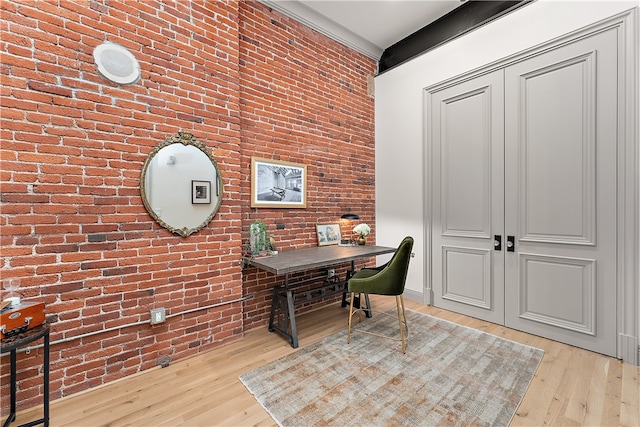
(388, 279)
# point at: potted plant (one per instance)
(259, 240)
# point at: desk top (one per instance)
(294, 260)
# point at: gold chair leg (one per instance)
(399, 303)
(404, 316)
(350, 317)
(402, 322)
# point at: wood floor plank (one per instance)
(541, 400)
(595, 401)
(571, 387)
(630, 396)
(613, 389)
(577, 408)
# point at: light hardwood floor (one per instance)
(571, 387)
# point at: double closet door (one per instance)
(522, 181)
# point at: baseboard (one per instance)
(413, 296)
(629, 349)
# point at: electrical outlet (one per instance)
(158, 315)
(330, 273)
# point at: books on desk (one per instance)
(260, 255)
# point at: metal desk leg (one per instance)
(13, 347)
(367, 311)
(292, 319)
(283, 316)
(350, 273)
(346, 287)
(12, 410)
(46, 380)
(274, 302)
(356, 298)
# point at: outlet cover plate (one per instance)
(158, 315)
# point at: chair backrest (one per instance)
(388, 279)
(398, 266)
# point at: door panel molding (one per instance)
(466, 183)
(534, 287)
(553, 98)
(467, 280)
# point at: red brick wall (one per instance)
(244, 80)
(304, 100)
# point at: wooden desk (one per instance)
(282, 318)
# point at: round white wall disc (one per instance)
(117, 64)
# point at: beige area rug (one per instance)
(451, 375)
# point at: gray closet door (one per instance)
(467, 176)
(560, 198)
(528, 153)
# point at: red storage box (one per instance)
(19, 318)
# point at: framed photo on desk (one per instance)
(328, 234)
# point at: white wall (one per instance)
(399, 107)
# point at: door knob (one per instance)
(497, 242)
(511, 243)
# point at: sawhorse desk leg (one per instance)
(285, 312)
(13, 378)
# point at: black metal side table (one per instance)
(11, 344)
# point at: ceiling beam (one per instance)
(459, 21)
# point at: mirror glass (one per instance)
(181, 185)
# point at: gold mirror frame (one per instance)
(186, 139)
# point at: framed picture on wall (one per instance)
(278, 184)
(200, 192)
(328, 234)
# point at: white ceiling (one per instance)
(368, 26)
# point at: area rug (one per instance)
(450, 375)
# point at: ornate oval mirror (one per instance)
(181, 185)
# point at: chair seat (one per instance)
(371, 286)
(365, 272)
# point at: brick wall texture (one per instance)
(246, 81)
